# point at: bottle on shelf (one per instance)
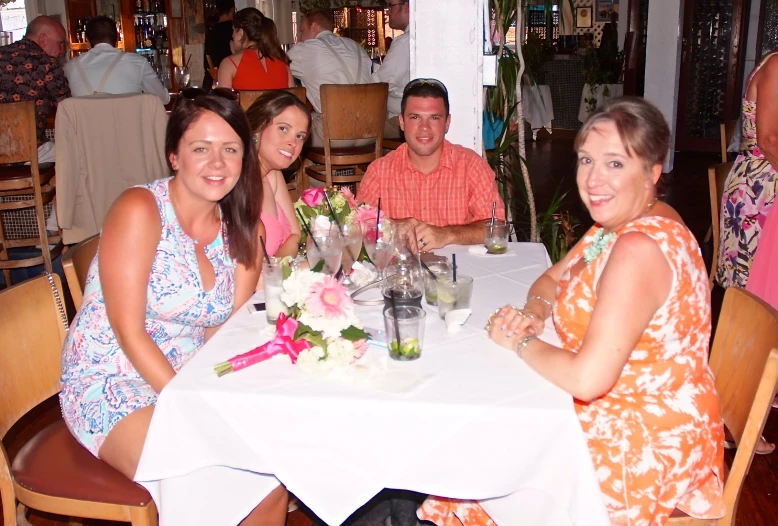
(138, 6)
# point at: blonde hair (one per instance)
(641, 126)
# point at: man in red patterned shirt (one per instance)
(439, 192)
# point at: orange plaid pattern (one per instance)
(459, 191)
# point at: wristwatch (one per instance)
(523, 343)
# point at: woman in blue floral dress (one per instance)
(750, 189)
(176, 257)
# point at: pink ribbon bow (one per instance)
(283, 342)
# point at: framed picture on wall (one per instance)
(604, 10)
(583, 17)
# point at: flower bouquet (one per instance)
(321, 332)
(346, 210)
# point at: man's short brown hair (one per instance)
(321, 17)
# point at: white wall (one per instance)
(751, 51)
(663, 62)
(446, 44)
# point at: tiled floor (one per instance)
(552, 165)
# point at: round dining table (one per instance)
(467, 420)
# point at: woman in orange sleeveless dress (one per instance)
(631, 304)
(258, 61)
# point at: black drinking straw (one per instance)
(332, 210)
(378, 215)
(264, 250)
(339, 273)
(454, 258)
(396, 320)
(491, 224)
(307, 230)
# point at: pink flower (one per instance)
(350, 199)
(363, 214)
(313, 196)
(328, 299)
(360, 348)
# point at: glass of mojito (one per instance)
(409, 325)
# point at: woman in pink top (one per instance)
(280, 123)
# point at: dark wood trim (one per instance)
(741, 10)
(760, 32)
(633, 15)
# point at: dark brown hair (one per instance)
(321, 17)
(641, 126)
(241, 206)
(101, 30)
(261, 32)
(269, 106)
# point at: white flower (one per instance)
(340, 351)
(329, 327)
(297, 287)
(311, 361)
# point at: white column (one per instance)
(751, 51)
(663, 63)
(446, 44)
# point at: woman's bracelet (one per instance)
(539, 298)
(522, 344)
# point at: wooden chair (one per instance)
(247, 98)
(717, 176)
(76, 262)
(52, 472)
(744, 360)
(349, 112)
(33, 185)
(727, 130)
(393, 144)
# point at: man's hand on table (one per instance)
(422, 237)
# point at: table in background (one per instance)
(537, 107)
(612, 90)
(473, 421)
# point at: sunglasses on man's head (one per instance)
(225, 93)
(428, 82)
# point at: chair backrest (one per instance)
(18, 139)
(726, 131)
(76, 262)
(354, 111)
(32, 333)
(247, 97)
(744, 360)
(717, 176)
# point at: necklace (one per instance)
(601, 239)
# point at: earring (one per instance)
(175, 167)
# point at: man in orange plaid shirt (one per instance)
(439, 192)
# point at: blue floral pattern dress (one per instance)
(99, 384)
(749, 193)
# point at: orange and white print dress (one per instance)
(656, 438)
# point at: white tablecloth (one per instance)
(538, 108)
(613, 90)
(466, 420)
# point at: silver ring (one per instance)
(423, 243)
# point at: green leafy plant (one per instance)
(554, 227)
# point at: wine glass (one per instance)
(325, 244)
(352, 243)
(379, 239)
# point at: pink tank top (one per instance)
(277, 229)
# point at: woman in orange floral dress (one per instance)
(631, 305)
